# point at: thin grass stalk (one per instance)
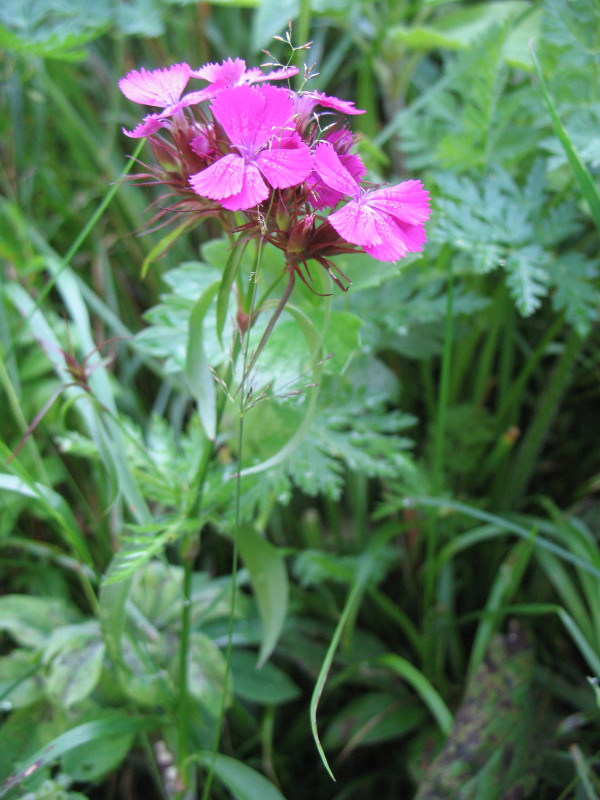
(238, 520)
(484, 364)
(531, 444)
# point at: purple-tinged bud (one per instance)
(301, 235)
(282, 215)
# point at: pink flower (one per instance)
(387, 223)
(162, 88)
(234, 73)
(258, 122)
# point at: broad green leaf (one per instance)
(314, 342)
(264, 684)
(242, 781)
(20, 681)
(87, 764)
(119, 724)
(200, 378)
(271, 19)
(73, 658)
(31, 620)
(270, 584)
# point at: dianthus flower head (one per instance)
(283, 158)
(265, 149)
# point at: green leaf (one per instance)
(165, 243)
(313, 340)
(586, 183)
(467, 24)
(30, 620)
(20, 681)
(52, 29)
(242, 781)
(270, 584)
(73, 658)
(56, 507)
(373, 717)
(422, 686)
(137, 550)
(87, 764)
(271, 19)
(200, 378)
(117, 725)
(229, 273)
(527, 278)
(264, 684)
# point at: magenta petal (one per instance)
(387, 251)
(149, 125)
(255, 75)
(223, 178)
(251, 115)
(407, 201)
(284, 167)
(331, 170)
(357, 224)
(157, 87)
(413, 236)
(190, 99)
(254, 191)
(399, 240)
(228, 72)
(327, 101)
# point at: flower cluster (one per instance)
(283, 158)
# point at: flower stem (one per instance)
(269, 329)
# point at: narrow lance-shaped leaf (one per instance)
(270, 583)
(229, 273)
(582, 176)
(242, 781)
(197, 368)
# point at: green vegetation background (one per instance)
(419, 535)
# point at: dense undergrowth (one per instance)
(385, 562)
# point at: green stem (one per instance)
(238, 495)
(269, 329)
(531, 444)
(437, 479)
(183, 711)
(442, 406)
